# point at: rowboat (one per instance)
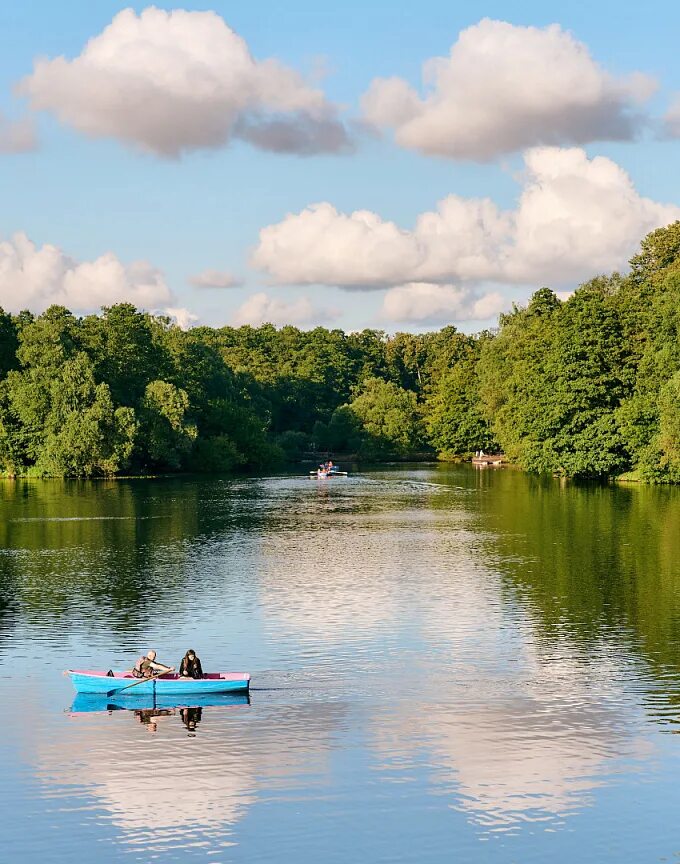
(91, 681)
(498, 459)
(326, 475)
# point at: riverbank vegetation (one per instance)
(587, 387)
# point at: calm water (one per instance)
(449, 665)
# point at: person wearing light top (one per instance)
(147, 667)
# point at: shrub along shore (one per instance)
(588, 387)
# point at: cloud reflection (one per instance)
(511, 730)
(174, 789)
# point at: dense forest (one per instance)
(587, 387)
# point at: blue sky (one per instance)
(93, 195)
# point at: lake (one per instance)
(448, 665)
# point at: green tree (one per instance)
(669, 427)
(48, 340)
(651, 313)
(512, 372)
(9, 343)
(659, 252)
(68, 427)
(552, 381)
(125, 350)
(389, 418)
(455, 423)
(166, 438)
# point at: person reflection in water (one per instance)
(190, 666)
(191, 717)
(148, 717)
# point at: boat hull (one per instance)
(321, 475)
(88, 681)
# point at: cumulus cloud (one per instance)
(211, 278)
(182, 317)
(428, 303)
(672, 119)
(504, 88)
(263, 309)
(34, 278)
(575, 217)
(17, 136)
(322, 245)
(171, 82)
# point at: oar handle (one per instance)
(141, 681)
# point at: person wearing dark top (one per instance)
(190, 667)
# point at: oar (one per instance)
(141, 681)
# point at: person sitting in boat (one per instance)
(330, 467)
(146, 667)
(190, 666)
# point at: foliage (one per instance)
(215, 455)
(293, 444)
(387, 419)
(124, 352)
(659, 252)
(454, 420)
(585, 387)
(9, 343)
(166, 437)
(669, 426)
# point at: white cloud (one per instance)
(181, 316)
(575, 217)
(262, 309)
(322, 245)
(672, 118)
(504, 88)
(171, 82)
(427, 303)
(17, 136)
(34, 278)
(578, 217)
(215, 279)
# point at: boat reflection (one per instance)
(149, 711)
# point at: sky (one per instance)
(353, 165)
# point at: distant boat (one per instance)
(89, 681)
(490, 459)
(327, 475)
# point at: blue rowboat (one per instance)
(89, 681)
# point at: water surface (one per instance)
(448, 665)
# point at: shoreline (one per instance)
(628, 477)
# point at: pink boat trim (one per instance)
(209, 676)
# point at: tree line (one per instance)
(586, 387)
